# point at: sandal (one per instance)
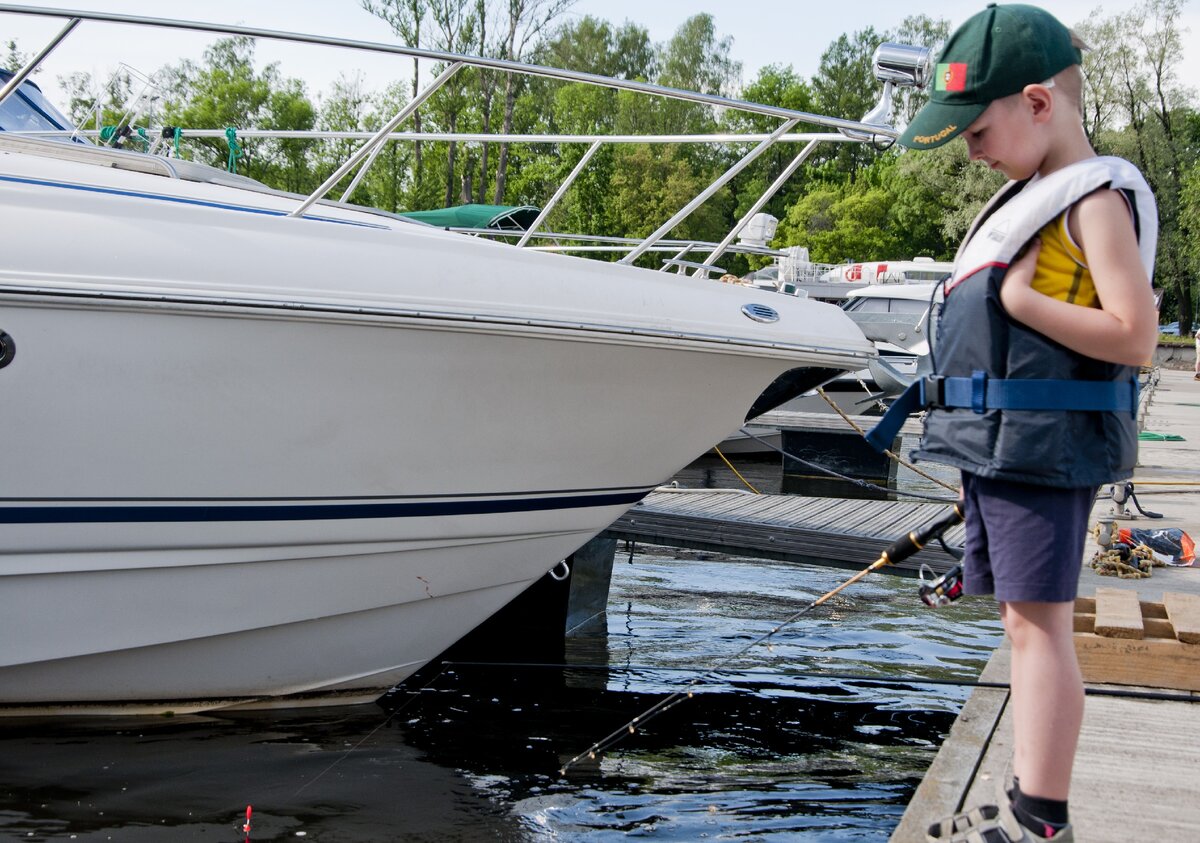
(953, 827)
(990, 824)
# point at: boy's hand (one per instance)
(1018, 281)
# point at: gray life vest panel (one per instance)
(1063, 448)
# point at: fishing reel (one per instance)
(938, 591)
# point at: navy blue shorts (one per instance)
(1024, 542)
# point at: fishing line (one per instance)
(897, 551)
(413, 695)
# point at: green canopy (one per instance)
(503, 217)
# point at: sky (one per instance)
(763, 31)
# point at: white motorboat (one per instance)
(262, 451)
(894, 313)
(896, 317)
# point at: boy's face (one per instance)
(1004, 138)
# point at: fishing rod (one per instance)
(899, 550)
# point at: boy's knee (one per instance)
(1028, 623)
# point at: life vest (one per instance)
(1008, 402)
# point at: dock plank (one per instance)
(824, 531)
(799, 420)
(1125, 741)
(954, 771)
(1183, 610)
(1118, 614)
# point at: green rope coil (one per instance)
(114, 135)
(235, 149)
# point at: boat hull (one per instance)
(215, 506)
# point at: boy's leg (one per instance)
(1047, 695)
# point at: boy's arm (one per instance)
(1124, 329)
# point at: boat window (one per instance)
(908, 306)
(26, 110)
(925, 274)
(867, 304)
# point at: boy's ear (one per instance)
(1039, 100)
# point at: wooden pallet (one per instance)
(1123, 641)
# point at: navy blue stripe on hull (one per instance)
(183, 200)
(127, 514)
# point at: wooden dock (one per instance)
(1137, 756)
(804, 421)
(834, 532)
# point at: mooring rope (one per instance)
(864, 484)
(735, 471)
(896, 457)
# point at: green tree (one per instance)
(841, 222)
(227, 91)
(14, 59)
(1189, 224)
(653, 181)
(345, 109)
(407, 18)
(781, 86)
(937, 194)
(523, 27)
(1141, 111)
(695, 59)
(845, 86)
(919, 31)
(90, 104)
(592, 45)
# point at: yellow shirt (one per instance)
(1061, 272)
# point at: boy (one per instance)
(1047, 315)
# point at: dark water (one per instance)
(774, 750)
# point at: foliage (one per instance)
(1136, 106)
(13, 58)
(849, 201)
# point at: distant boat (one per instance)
(896, 316)
(792, 272)
(895, 313)
(915, 271)
(495, 217)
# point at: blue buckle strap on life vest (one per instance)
(980, 393)
(881, 436)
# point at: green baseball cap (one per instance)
(997, 52)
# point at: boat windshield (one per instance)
(27, 110)
(883, 304)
